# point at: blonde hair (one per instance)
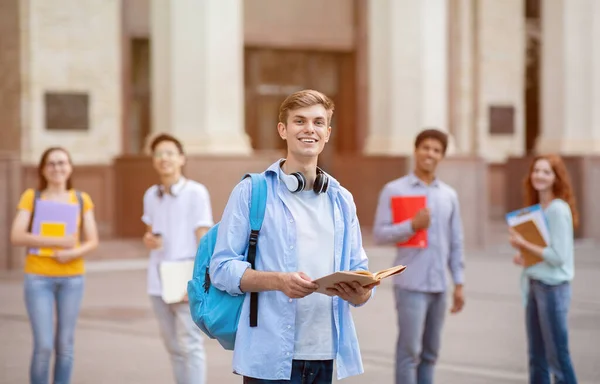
(303, 99)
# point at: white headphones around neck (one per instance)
(296, 181)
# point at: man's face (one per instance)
(167, 159)
(306, 132)
(428, 154)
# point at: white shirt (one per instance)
(315, 250)
(176, 217)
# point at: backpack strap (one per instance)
(258, 203)
(36, 195)
(80, 202)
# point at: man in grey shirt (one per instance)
(421, 291)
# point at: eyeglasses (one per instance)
(167, 154)
(56, 164)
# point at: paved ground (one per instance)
(117, 339)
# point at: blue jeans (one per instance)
(42, 295)
(420, 320)
(303, 372)
(183, 340)
(547, 333)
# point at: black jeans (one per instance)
(303, 372)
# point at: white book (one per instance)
(174, 277)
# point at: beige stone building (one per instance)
(505, 78)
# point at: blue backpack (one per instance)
(214, 311)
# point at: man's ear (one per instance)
(281, 128)
(328, 134)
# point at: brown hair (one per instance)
(434, 134)
(42, 182)
(562, 188)
(302, 99)
(166, 137)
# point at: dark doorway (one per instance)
(273, 74)
(139, 118)
(532, 73)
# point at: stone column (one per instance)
(570, 77)
(197, 74)
(500, 70)
(463, 79)
(10, 131)
(408, 72)
(570, 112)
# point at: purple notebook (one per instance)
(52, 218)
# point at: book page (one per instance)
(361, 272)
(390, 272)
(363, 277)
(329, 281)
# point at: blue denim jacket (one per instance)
(266, 351)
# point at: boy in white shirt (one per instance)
(177, 213)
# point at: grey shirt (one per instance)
(426, 267)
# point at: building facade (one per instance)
(505, 78)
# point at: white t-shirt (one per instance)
(315, 250)
(176, 217)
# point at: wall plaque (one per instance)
(502, 119)
(66, 111)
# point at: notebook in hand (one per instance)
(53, 219)
(363, 277)
(534, 213)
(405, 208)
(530, 232)
(174, 276)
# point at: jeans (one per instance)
(303, 372)
(420, 320)
(42, 294)
(183, 340)
(547, 333)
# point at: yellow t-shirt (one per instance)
(45, 265)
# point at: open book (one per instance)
(363, 277)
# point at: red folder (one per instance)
(405, 208)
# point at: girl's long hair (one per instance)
(42, 182)
(562, 188)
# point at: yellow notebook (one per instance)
(49, 229)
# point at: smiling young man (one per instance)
(310, 230)
(177, 213)
(421, 292)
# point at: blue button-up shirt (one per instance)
(266, 351)
(426, 267)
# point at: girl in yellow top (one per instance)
(54, 281)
